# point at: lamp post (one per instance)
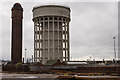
(25, 55)
(114, 48)
(32, 58)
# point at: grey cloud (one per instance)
(92, 27)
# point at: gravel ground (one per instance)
(6, 75)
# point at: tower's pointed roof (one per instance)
(17, 6)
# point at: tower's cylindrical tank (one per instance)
(51, 33)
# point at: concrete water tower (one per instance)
(51, 33)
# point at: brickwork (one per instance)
(16, 49)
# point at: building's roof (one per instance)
(38, 64)
(50, 62)
(58, 63)
(55, 63)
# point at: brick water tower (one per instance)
(16, 48)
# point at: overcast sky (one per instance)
(92, 27)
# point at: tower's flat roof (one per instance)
(51, 5)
